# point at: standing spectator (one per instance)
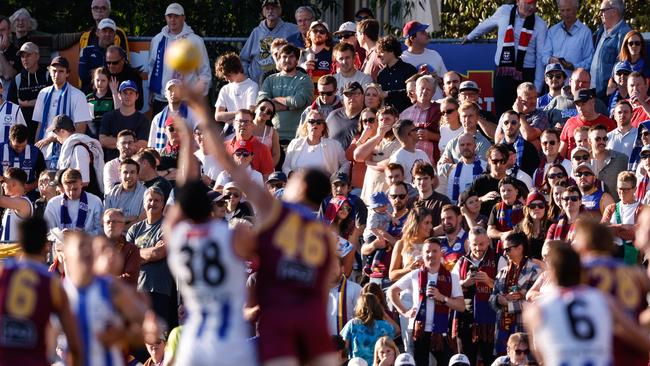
(316, 57)
(255, 55)
(562, 107)
(368, 125)
(114, 229)
(533, 120)
(347, 33)
(344, 55)
(617, 90)
(468, 91)
(535, 223)
(74, 208)
(18, 153)
(60, 98)
(517, 58)
(450, 84)
(487, 185)
(46, 190)
(454, 239)
(264, 130)
(93, 56)
(509, 293)
(555, 77)
(431, 287)
(10, 63)
(424, 177)
(637, 88)
(104, 98)
(28, 83)
(407, 155)
(643, 178)
(607, 163)
(119, 67)
(343, 296)
(392, 77)
(239, 93)
(126, 147)
(450, 126)
(155, 280)
(569, 42)
(16, 206)
(101, 9)
(594, 198)
(159, 72)
(550, 140)
(343, 123)
(373, 97)
(148, 174)
(262, 159)
(128, 194)
(290, 92)
(505, 214)
(585, 101)
(210, 169)
(10, 115)
(608, 40)
(327, 99)
(417, 54)
(426, 116)
(635, 52)
(124, 118)
(622, 216)
(470, 207)
(175, 106)
(304, 16)
(473, 329)
(623, 138)
(469, 167)
(510, 127)
(367, 36)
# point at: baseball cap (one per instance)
(243, 145)
(357, 361)
(364, 10)
(554, 67)
(623, 66)
(459, 359)
(279, 176)
(28, 47)
(584, 95)
(645, 148)
(321, 23)
(60, 61)
(352, 87)
(172, 82)
(378, 199)
(215, 196)
(175, 8)
(62, 121)
(271, 2)
(128, 84)
(533, 196)
(339, 177)
(107, 23)
(584, 165)
(347, 27)
(404, 359)
(169, 121)
(231, 185)
(412, 28)
(468, 85)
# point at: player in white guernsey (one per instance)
(17, 206)
(101, 305)
(573, 324)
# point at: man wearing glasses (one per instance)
(119, 67)
(101, 9)
(585, 102)
(304, 16)
(327, 100)
(509, 133)
(593, 197)
(555, 76)
(607, 163)
(262, 159)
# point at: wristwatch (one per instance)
(445, 299)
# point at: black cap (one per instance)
(279, 176)
(364, 10)
(584, 95)
(61, 122)
(340, 177)
(352, 87)
(60, 61)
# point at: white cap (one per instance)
(175, 8)
(231, 185)
(357, 361)
(106, 23)
(347, 27)
(404, 359)
(321, 23)
(172, 82)
(459, 358)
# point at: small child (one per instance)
(376, 226)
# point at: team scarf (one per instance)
(538, 176)
(519, 150)
(508, 66)
(342, 309)
(62, 107)
(483, 313)
(161, 138)
(512, 277)
(156, 76)
(561, 229)
(477, 170)
(642, 188)
(507, 217)
(441, 310)
(66, 221)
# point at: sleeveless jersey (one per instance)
(212, 282)
(94, 311)
(576, 328)
(452, 252)
(27, 299)
(25, 160)
(592, 201)
(10, 221)
(614, 277)
(295, 251)
(10, 115)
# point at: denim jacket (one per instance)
(606, 56)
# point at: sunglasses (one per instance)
(326, 93)
(347, 35)
(233, 194)
(570, 198)
(498, 161)
(315, 121)
(242, 154)
(583, 174)
(555, 76)
(368, 120)
(400, 196)
(521, 352)
(601, 138)
(634, 43)
(536, 205)
(552, 143)
(507, 250)
(581, 157)
(266, 111)
(221, 203)
(448, 111)
(113, 62)
(556, 175)
(318, 30)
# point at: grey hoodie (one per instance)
(256, 54)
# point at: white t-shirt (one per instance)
(224, 177)
(310, 156)
(428, 57)
(407, 159)
(78, 107)
(234, 96)
(209, 165)
(359, 77)
(447, 134)
(465, 180)
(410, 282)
(352, 293)
(81, 161)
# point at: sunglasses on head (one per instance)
(557, 76)
(552, 143)
(400, 196)
(633, 43)
(368, 120)
(536, 205)
(315, 121)
(448, 111)
(326, 93)
(242, 153)
(583, 174)
(556, 175)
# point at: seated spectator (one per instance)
(470, 208)
(535, 223)
(104, 98)
(505, 214)
(617, 90)
(550, 141)
(126, 117)
(327, 99)
(276, 46)
(554, 76)
(450, 84)
(572, 207)
(210, 169)
(117, 63)
(126, 147)
(243, 156)
(637, 88)
(93, 56)
(510, 133)
(634, 51)
(407, 155)
(376, 229)
(426, 116)
(555, 175)
(594, 198)
(236, 208)
(304, 17)
(10, 114)
(168, 166)
(17, 207)
(386, 352)
(262, 159)
(368, 124)
(264, 129)
(468, 91)
(340, 186)
(562, 107)
(343, 296)
(315, 149)
(517, 351)
(533, 120)
(623, 138)
(410, 87)
(392, 77)
(642, 139)
(373, 97)
(555, 202)
(275, 183)
(316, 58)
(469, 168)
(339, 216)
(424, 178)
(114, 229)
(487, 185)
(608, 163)
(128, 194)
(148, 174)
(47, 190)
(367, 36)
(585, 102)
(343, 123)
(345, 56)
(175, 106)
(512, 170)
(74, 209)
(417, 54)
(18, 153)
(450, 125)
(239, 93)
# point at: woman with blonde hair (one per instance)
(373, 96)
(450, 126)
(407, 254)
(386, 352)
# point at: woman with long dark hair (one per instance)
(263, 128)
(340, 217)
(571, 209)
(535, 224)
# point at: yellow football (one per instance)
(183, 56)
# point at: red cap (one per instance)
(169, 121)
(243, 145)
(533, 196)
(412, 27)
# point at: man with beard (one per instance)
(607, 163)
(450, 84)
(594, 198)
(114, 229)
(453, 243)
(562, 107)
(317, 55)
(262, 159)
(175, 105)
(469, 167)
(127, 196)
(555, 77)
(509, 133)
(290, 92)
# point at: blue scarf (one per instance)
(156, 76)
(477, 170)
(519, 149)
(61, 108)
(161, 138)
(81, 216)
